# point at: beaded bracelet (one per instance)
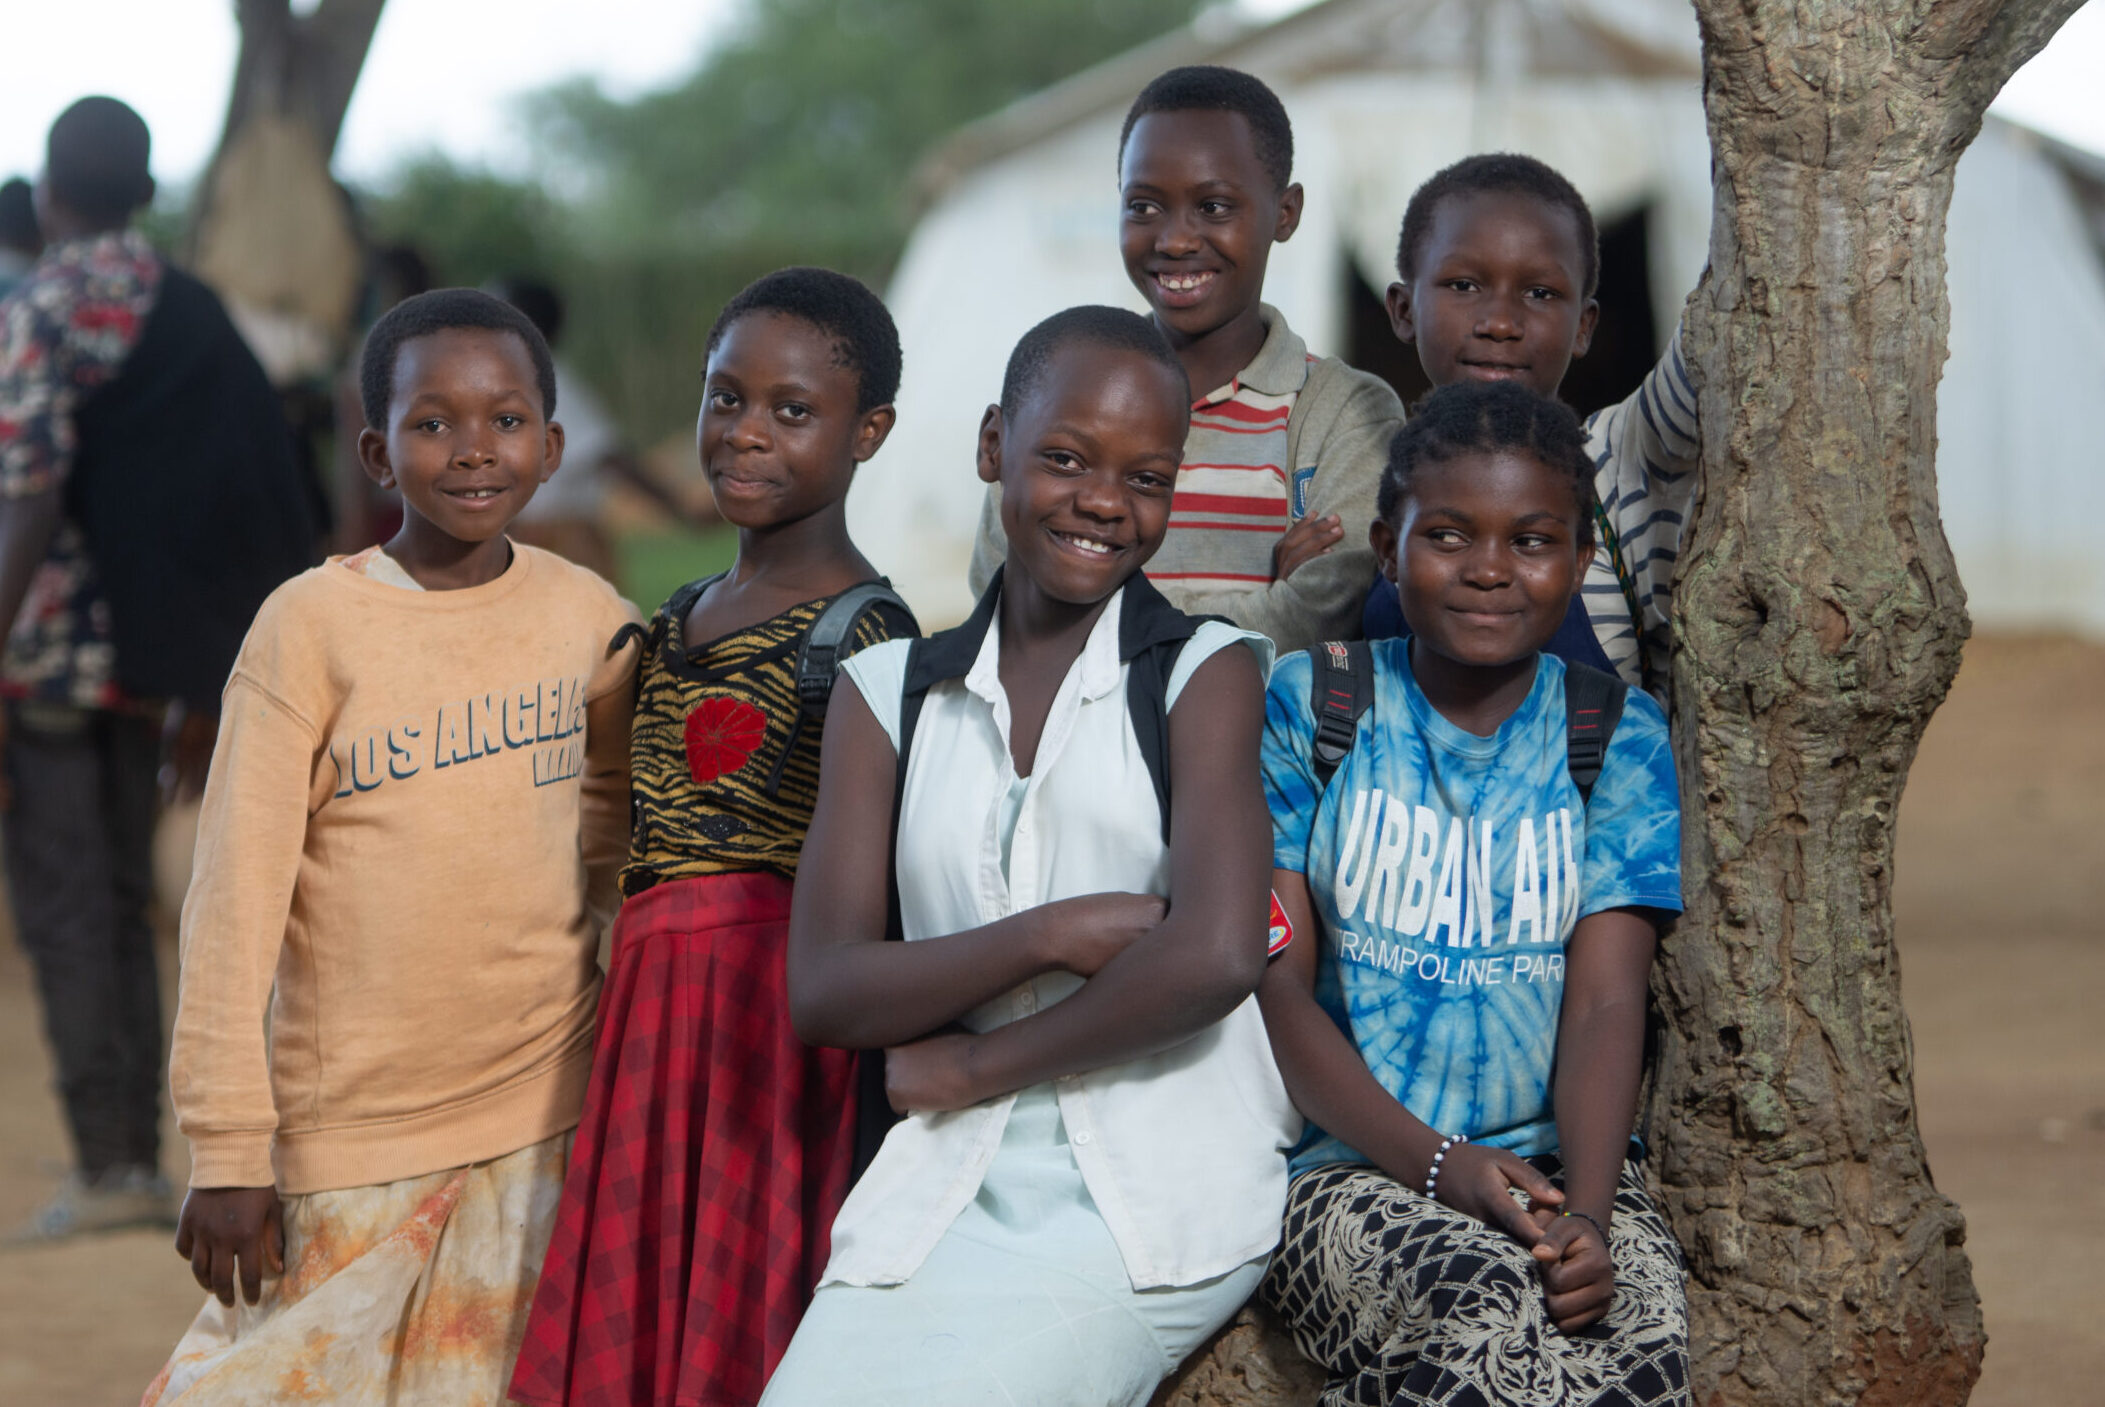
(1592, 1223)
(1432, 1171)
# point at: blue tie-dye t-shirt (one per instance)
(1447, 871)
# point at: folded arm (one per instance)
(1180, 977)
(848, 987)
(1322, 598)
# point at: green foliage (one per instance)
(799, 131)
(472, 226)
(792, 143)
(163, 221)
(656, 563)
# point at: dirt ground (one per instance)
(2001, 878)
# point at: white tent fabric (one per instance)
(1385, 92)
(2020, 459)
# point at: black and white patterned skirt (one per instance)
(1405, 1300)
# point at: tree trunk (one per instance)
(271, 231)
(300, 66)
(1819, 620)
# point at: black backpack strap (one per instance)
(1147, 704)
(1340, 691)
(1593, 705)
(1151, 636)
(682, 601)
(652, 636)
(873, 1108)
(633, 630)
(819, 657)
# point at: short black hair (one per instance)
(95, 159)
(1506, 173)
(865, 339)
(536, 298)
(443, 310)
(1485, 417)
(18, 218)
(1211, 88)
(1095, 324)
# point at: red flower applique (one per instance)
(721, 735)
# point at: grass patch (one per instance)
(656, 562)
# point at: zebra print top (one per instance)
(724, 765)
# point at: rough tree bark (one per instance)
(1820, 621)
(270, 229)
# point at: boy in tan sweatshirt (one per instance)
(419, 794)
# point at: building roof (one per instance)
(1490, 39)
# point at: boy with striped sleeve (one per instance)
(1497, 266)
(1273, 500)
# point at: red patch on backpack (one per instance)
(720, 735)
(1282, 932)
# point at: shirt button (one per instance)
(1026, 1001)
(1084, 1137)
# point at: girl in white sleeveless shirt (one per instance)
(1090, 1178)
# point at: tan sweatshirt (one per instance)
(417, 802)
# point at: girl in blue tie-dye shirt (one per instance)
(1461, 1012)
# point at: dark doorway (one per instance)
(1624, 348)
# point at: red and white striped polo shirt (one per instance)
(1236, 493)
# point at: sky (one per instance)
(449, 74)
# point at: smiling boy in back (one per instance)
(1276, 491)
(1497, 265)
(421, 781)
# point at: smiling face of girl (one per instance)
(1087, 465)
(1486, 549)
(779, 432)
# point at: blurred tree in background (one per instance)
(793, 142)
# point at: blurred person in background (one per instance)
(20, 240)
(149, 500)
(363, 512)
(566, 516)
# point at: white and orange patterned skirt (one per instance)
(408, 1292)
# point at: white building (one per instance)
(1022, 221)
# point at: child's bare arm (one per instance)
(847, 986)
(1331, 1084)
(1183, 976)
(603, 820)
(1600, 1059)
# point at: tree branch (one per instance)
(308, 66)
(334, 42)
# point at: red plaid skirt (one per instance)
(712, 1154)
